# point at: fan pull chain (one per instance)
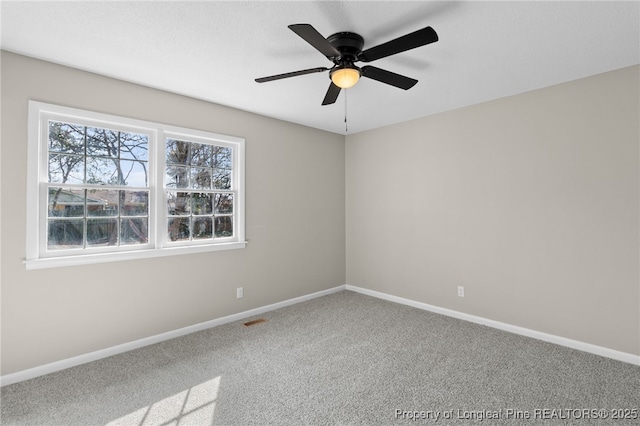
(346, 126)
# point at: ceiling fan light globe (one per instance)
(345, 78)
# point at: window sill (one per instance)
(90, 259)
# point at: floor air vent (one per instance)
(254, 322)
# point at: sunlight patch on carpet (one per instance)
(195, 405)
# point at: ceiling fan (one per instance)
(345, 48)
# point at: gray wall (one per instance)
(530, 202)
(295, 226)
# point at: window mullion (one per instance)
(159, 192)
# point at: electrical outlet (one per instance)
(239, 293)
(460, 291)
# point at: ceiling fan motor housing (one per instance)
(348, 44)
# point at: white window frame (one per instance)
(37, 256)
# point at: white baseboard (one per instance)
(114, 350)
(118, 349)
(562, 341)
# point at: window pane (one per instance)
(178, 229)
(200, 178)
(224, 226)
(177, 177)
(134, 173)
(134, 203)
(67, 138)
(202, 227)
(65, 202)
(65, 234)
(177, 152)
(134, 230)
(102, 142)
(134, 146)
(102, 171)
(221, 179)
(222, 158)
(65, 168)
(224, 203)
(102, 232)
(102, 202)
(201, 155)
(201, 203)
(178, 203)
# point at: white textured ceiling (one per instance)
(214, 50)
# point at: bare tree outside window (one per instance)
(88, 171)
(195, 174)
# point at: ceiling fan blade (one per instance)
(332, 94)
(388, 77)
(315, 39)
(290, 74)
(401, 44)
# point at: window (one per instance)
(104, 188)
(199, 197)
